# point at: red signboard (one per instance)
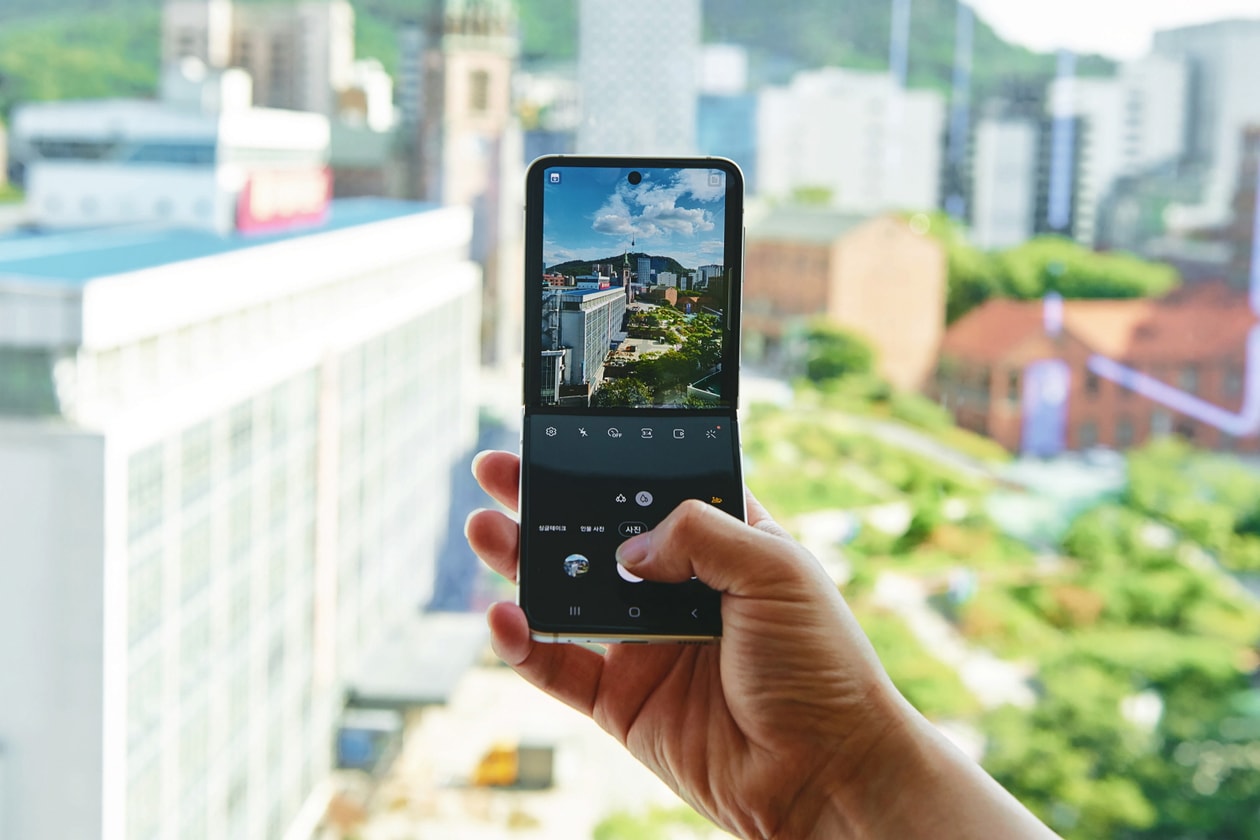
(275, 200)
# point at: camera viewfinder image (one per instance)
(635, 290)
(576, 565)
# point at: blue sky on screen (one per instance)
(595, 213)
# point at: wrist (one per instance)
(863, 777)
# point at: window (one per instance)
(1124, 433)
(195, 463)
(1012, 386)
(1232, 382)
(1087, 436)
(478, 91)
(145, 482)
(1092, 384)
(195, 552)
(1188, 379)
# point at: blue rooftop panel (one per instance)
(76, 257)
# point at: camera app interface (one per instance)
(594, 482)
(635, 289)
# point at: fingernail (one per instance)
(468, 520)
(477, 460)
(634, 550)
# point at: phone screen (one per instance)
(631, 376)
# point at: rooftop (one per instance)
(1198, 322)
(820, 225)
(75, 257)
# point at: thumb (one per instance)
(701, 541)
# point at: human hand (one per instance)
(789, 727)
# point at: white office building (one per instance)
(1004, 181)
(207, 161)
(1223, 101)
(580, 328)
(869, 144)
(639, 70)
(224, 475)
(1135, 121)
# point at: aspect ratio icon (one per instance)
(646, 434)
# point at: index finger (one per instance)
(499, 474)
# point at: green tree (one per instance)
(834, 353)
(1054, 264)
(625, 391)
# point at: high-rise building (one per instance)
(1136, 121)
(224, 475)
(639, 70)
(1061, 142)
(644, 273)
(300, 55)
(1004, 188)
(466, 149)
(865, 143)
(1224, 62)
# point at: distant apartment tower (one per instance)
(300, 55)
(644, 272)
(1057, 173)
(1224, 64)
(224, 477)
(875, 277)
(1136, 121)
(867, 144)
(705, 273)
(638, 66)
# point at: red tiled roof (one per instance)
(993, 329)
(1195, 323)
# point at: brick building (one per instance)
(995, 360)
(876, 277)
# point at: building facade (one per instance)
(1135, 122)
(1225, 61)
(580, 328)
(639, 71)
(224, 476)
(464, 147)
(109, 162)
(875, 277)
(867, 143)
(300, 55)
(1004, 188)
